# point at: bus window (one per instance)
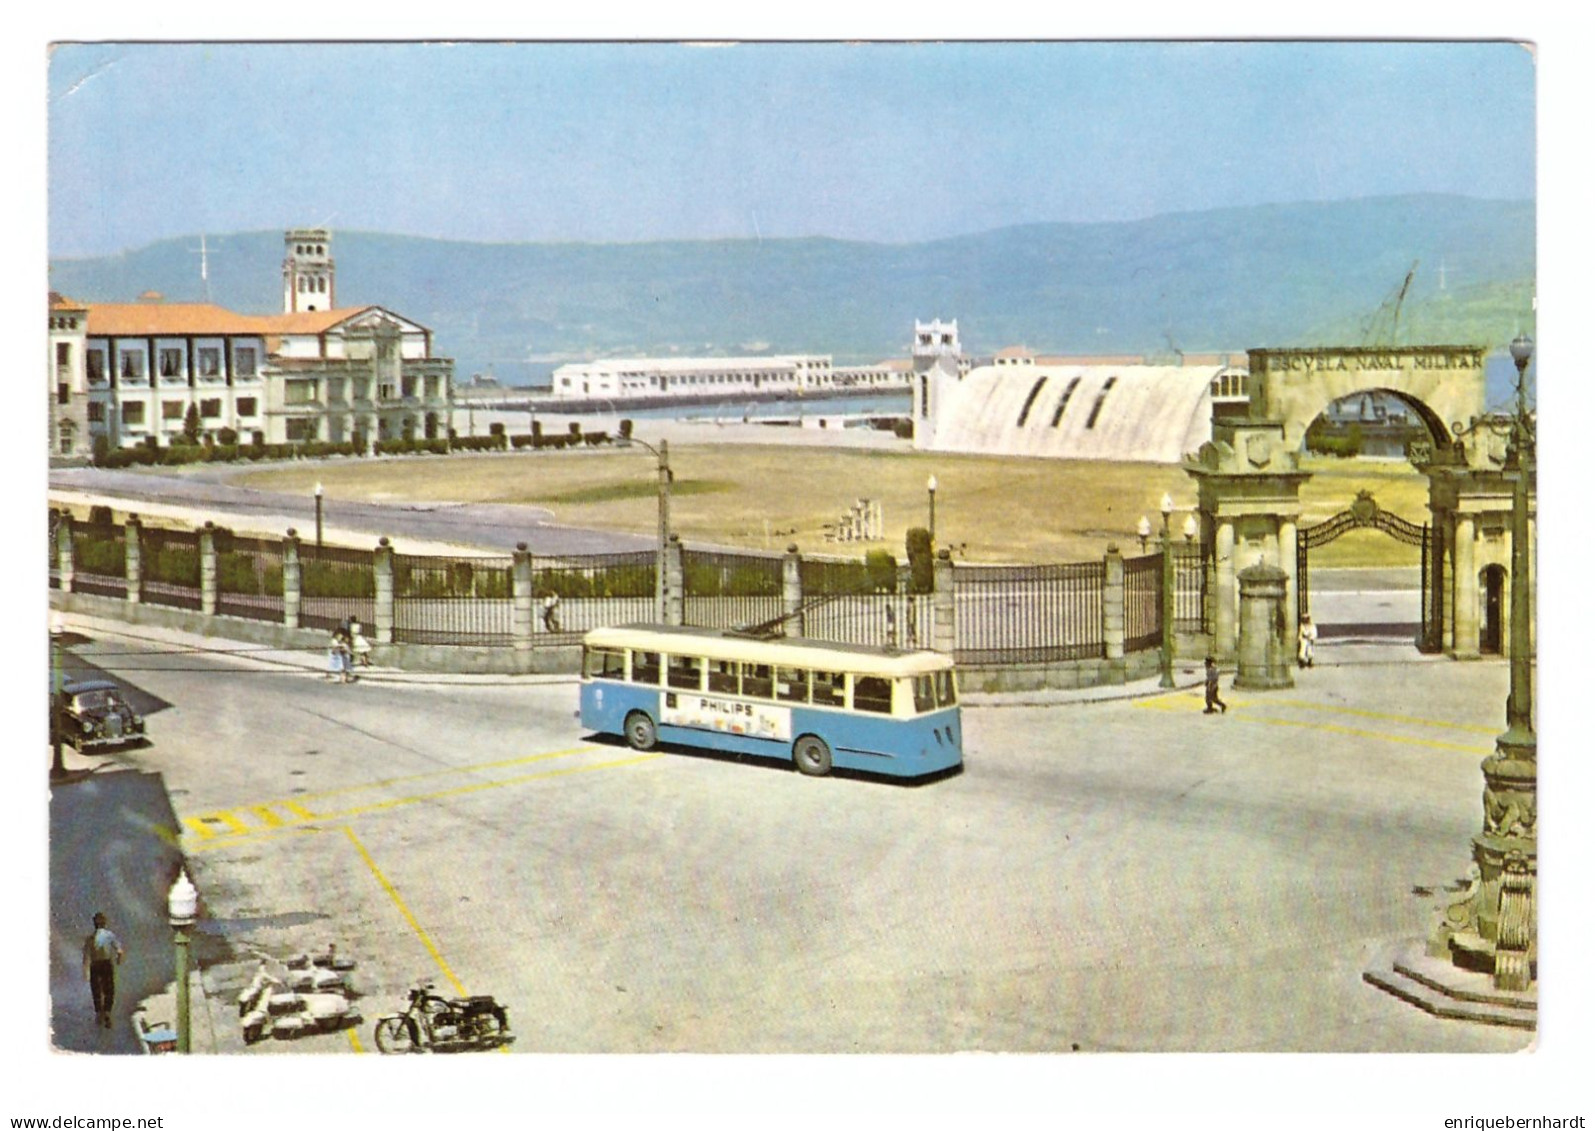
(924, 694)
(792, 685)
(723, 676)
(605, 663)
(756, 680)
(830, 689)
(872, 693)
(685, 672)
(645, 667)
(946, 689)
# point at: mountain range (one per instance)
(1388, 270)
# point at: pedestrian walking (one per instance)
(102, 952)
(360, 646)
(1306, 637)
(551, 611)
(1213, 701)
(891, 627)
(338, 657)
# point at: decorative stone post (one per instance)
(1113, 605)
(133, 535)
(292, 580)
(521, 602)
(792, 590)
(383, 566)
(675, 583)
(1263, 655)
(64, 554)
(207, 569)
(944, 606)
(1223, 592)
(1465, 591)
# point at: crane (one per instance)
(1383, 327)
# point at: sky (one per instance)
(890, 142)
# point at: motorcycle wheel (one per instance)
(397, 1035)
(492, 1029)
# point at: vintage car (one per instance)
(95, 712)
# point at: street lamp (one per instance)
(57, 763)
(1166, 653)
(1143, 531)
(318, 514)
(1520, 457)
(182, 908)
(666, 476)
(930, 489)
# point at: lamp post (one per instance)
(1520, 458)
(1166, 654)
(1143, 531)
(318, 515)
(57, 763)
(182, 908)
(666, 476)
(930, 490)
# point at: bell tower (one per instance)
(307, 270)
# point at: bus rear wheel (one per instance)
(812, 756)
(641, 734)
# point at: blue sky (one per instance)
(890, 142)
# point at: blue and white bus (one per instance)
(816, 703)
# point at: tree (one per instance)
(191, 425)
(921, 560)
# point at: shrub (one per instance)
(882, 569)
(625, 429)
(903, 429)
(227, 437)
(575, 428)
(102, 449)
(495, 429)
(593, 439)
(921, 560)
(100, 515)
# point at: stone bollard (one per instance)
(65, 556)
(207, 569)
(1113, 604)
(1265, 654)
(675, 583)
(133, 536)
(944, 607)
(383, 566)
(292, 580)
(521, 602)
(792, 590)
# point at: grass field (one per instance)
(767, 496)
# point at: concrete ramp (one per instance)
(1131, 413)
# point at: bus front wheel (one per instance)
(812, 756)
(641, 733)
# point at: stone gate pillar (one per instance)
(675, 583)
(133, 537)
(1465, 592)
(1266, 652)
(207, 569)
(382, 565)
(944, 606)
(521, 605)
(292, 580)
(792, 590)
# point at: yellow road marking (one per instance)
(452, 770)
(265, 815)
(409, 917)
(1374, 734)
(1186, 702)
(476, 787)
(195, 825)
(354, 1038)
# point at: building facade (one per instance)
(136, 373)
(664, 379)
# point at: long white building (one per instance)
(666, 378)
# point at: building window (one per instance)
(246, 406)
(63, 393)
(96, 361)
(244, 361)
(408, 385)
(171, 410)
(96, 412)
(300, 431)
(63, 353)
(210, 361)
(133, 412)
(133, 366)
(210, 408)
(171, 363)
(300, 392)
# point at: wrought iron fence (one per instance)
(249, 577)
(593, 590)
(169, 567)
(336, 584)
(729, 590)
(1143, 605)
(100, 559)
(54, 566)
(862, 601)
(1190, 588)
(453, 600)
(1029, 614)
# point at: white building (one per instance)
(131, 371)
(662, 378)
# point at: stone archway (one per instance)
(1366, 514)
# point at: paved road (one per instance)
(1122, 875)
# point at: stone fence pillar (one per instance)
(521, 601)
(207, 569)
(792, 590)
(292, 580)
(1265, 653)
(133, 536)
(675, 583)
(65, 557)
(944, 607)
(383, 567)
(1113, 604)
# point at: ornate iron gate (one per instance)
(1364, 512)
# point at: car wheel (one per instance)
(641, 733)
(812, 756)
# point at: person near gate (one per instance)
(1306, 637)
(102, 952)
(551, 611)
(1214, 703)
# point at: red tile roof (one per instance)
(154, 319)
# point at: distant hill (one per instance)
(1276, 275)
